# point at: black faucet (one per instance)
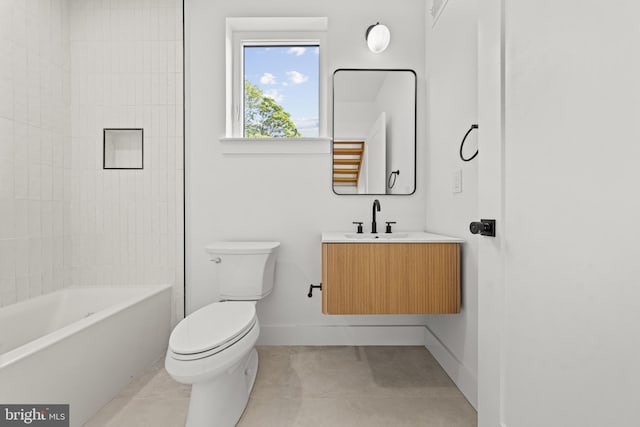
(376, 207)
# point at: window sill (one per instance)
(276, 145)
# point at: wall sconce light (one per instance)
(378, 37)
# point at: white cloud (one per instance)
(274, 94)
(307, 126)
(285, 84)
(297, 51)
(268, 79)
(297, 78)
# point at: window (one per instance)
(274, 78)
(281, 91)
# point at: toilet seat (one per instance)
(212, 329)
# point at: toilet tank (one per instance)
(245, 270)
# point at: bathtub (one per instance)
(81, 346)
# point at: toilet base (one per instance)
(221, 401)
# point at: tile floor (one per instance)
(313, 386)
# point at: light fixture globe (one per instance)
(378, 37)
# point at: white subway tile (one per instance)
(35, 256)
(20, 218)
(171, 120)
(109, 88)
(33, 106)
(7, 221)
(179, 121)
(34, 218)
(154, 24)
(171, 23)
(68, 253)
(34, 136)
(67, 277)
(46, 149)
(179, 154)
(58, 150)
(47, 258)
(20, 104)
(172, 49)
(76, 278)
(46, 219)
(178, 17)
(100, 214)
(8, 291)
(162, 112)
(6, 138)
(68, 188)
(46, 182)
(147, 57)
(22, 288)
(35, 285)
(58, 279)
(67, 229)
(6, 178)
(79, 121)
(170, 164)
(58, 184)
(6, 98)
(6, 15)
(22, 257)
(35, 182)
(58, 220)
(47, 281)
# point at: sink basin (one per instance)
(399, 237)
(380, 236)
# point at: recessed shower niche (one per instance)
(123, 149)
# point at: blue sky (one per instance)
(289, 75)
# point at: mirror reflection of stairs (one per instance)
(347, 162)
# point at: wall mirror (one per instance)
(374, 131)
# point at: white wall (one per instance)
(395, 99)
(35, 147)
(452, 92)
(288, 197)
(375, 153)
(572, 303)
(356, 121)
(126, 69)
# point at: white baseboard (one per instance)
(341, 335)
(461, 376)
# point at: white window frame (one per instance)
(288, 31)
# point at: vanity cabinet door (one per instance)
(390, 278)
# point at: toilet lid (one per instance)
(212, 326)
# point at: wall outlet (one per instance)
(457, 181)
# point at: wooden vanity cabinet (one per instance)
(390, 278)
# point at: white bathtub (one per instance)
(80, 346)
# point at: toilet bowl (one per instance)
(213, 348)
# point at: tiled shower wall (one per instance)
(68, 69)
(35, 148)
(126, 72)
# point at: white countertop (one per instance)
(395, 237)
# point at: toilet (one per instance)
(213, 348)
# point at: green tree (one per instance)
(264, 117)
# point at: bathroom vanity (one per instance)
(398, 273)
